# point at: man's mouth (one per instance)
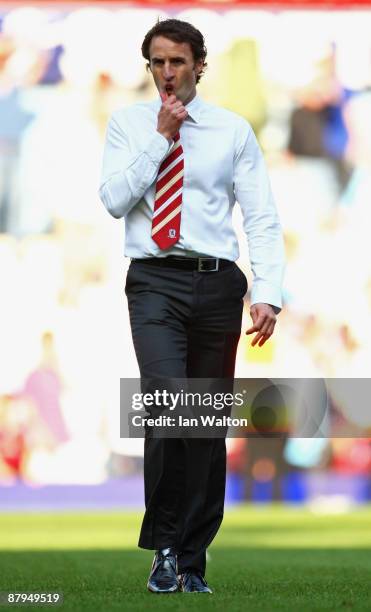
(169, 89)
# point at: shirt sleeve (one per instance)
(260, 220)
(126, 176)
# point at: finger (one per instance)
(264, 339)
(176, 105)
(179, 119)
(163, 96)
(267, 334)
(171, 99)
(182, 115)
(256, 338)
(266, 325)
(177, 110)
(268, 331)
(257, 325)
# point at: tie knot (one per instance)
(176, 137)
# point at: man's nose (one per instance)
(168, 72)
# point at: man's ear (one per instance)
(148, 67)
(198, 67)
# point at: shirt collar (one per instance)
(194, 108)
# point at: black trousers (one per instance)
(185, 324)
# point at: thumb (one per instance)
(163, 96)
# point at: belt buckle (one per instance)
(202, 259)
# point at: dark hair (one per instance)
(180, 32)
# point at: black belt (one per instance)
(201, 264)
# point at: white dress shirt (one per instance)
(222, 163)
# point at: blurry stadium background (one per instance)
(303, 80)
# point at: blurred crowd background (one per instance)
(303, 81)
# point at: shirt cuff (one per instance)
(263, 292)
(158, 147)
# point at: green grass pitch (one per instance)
(264, 558)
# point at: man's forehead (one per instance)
(164, 46)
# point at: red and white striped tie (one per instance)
(168, 197)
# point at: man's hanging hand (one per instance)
(264, 319)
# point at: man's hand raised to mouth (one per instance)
(171, 116)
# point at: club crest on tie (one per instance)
(172, 233)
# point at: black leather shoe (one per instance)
(163, 577)
(193, 582)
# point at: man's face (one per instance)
(173, 68)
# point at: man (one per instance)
(174, 169)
